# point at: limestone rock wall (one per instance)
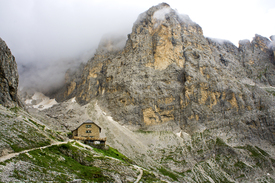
(170, 77)
(8, 77)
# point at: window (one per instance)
(88, 126)
(88, 131)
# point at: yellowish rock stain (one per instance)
(93, 72)
(233, 101)
(149, 117)
(71, 87)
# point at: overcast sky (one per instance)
(47, 33)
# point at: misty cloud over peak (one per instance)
(160, 14)
(49, 37)
(272, 44)
(112, 42)
(219, 41)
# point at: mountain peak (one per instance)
(163, 14)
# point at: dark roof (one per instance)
(88, 122)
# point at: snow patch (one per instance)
(28, 101)
(248, 81)
(73, 100)
(45, 102)
(186, 136)
(110, 118)
(160, 14)
(179, 134)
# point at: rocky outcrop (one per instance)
(272, 45)
(258, 60)
(170, 77)
(8, 77)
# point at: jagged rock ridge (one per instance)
(8, 77)
(170, 77)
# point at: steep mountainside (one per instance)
(8, 77)
(170, 77)
(20, 131)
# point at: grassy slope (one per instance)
(19, 131)
(66, 162)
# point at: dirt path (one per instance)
(140, 174)
(9, 156)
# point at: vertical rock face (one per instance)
(258, 60)
(8, 77)
(272, 45)
(170, 77)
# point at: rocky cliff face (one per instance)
(8, 77)
(170, 77)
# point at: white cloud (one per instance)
(160, 14)
(50, 36)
